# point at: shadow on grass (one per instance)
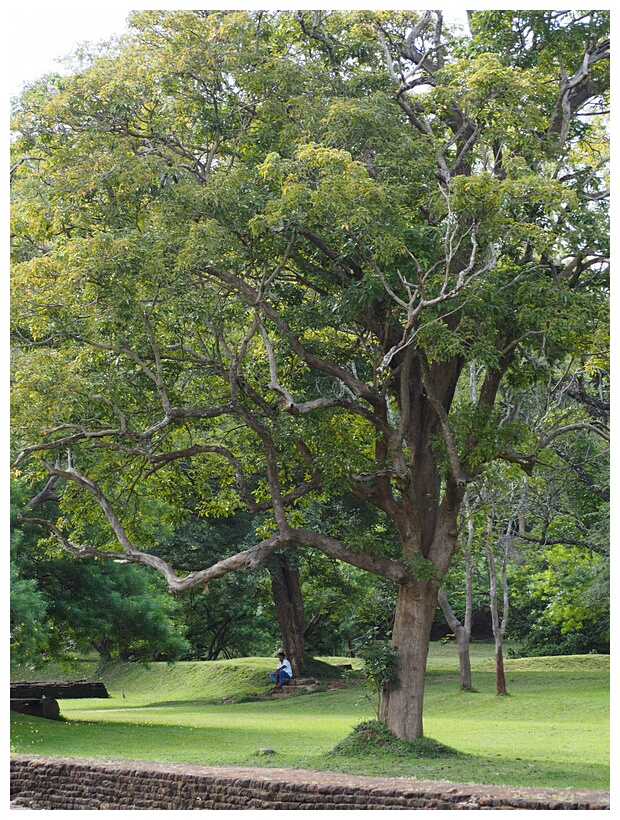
(201, 703)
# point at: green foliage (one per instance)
(28, 620)
(122, 612)
(380, 660)
(149, 179)
(526, 37)
(342, 605)
(232, 617)
(225, 622)
(560, 587)
(560, 603)
(60, 604)
(420, 568)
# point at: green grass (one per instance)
(552, 730)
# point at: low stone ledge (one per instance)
(74, 783)
(58, 689)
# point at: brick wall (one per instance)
(60, 783)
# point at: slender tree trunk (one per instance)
(401, 708)
(289, 605)
(462, 631)
(500, 675)
(498, 628)
(462, 640)
(103, 648)
(462, 635)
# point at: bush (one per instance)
(379, 667)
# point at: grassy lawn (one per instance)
(551, 730)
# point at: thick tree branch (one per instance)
(576, 90)
(358, 387)
(385, 567)
(248, 559)
(67, 441)
(455, 464)
(569, 428)
(303, 408)
(46, 494)
(573, 542)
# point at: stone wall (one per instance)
(60, 783)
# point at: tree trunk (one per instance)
(102, 646)
(462, 635)
(401, 708)
(463, 644)
(498, 628)
(500, 676)
(462, 640)
(289, 609)
(462, 631)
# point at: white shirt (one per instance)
(285, 665)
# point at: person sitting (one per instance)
(283, 672)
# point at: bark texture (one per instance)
(289, 606)
(401, 708)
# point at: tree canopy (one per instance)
(264, 258)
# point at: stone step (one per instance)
(300, 682)
(291, 691)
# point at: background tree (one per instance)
(121, 612)
(289, 604)
(345, 605)
(233, 618)
(29, 626)
(60, 605)
(560, 595)
(462, 629)
(560, 602)
(499, 623)
(224, 291)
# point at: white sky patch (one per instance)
(38, 35)
(36, 38)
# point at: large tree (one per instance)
(256, 254)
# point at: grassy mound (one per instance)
(236, 680)
(372, 736)
(558, 663)
(207, 681)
